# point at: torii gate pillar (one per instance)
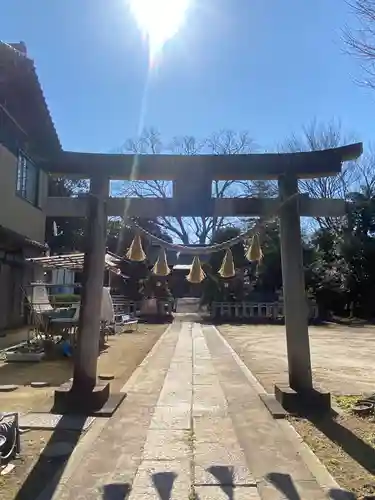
(85, 395)
(295, 306)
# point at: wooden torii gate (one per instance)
(192, 178)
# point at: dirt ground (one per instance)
(123, 354)
(342, 356)
(345, 444)
(342, 361)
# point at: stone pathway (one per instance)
(191, 442)
(192, 427)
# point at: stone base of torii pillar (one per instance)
(86, 395)
(301, 402)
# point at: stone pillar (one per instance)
(295, 303)
(85, 361)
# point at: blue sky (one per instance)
(267, 66)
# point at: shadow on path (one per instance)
(361, 452)
(164, 481)
(116, 491)
(44, 477)
(284, 484)
(225, 477)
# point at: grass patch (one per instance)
(346, 402)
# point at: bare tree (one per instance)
(188, 229)
(317, 136)
(361, 40)
(366, 173)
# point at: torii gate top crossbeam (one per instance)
(216, 167)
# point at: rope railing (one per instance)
(197, 274)
(259, 227)
(191, 249)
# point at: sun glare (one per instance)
(159, 21)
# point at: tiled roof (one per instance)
(19, 52)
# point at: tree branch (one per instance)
(223, 142)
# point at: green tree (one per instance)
(70, 230)
(268, 275)
(358, 249)
(342, 272)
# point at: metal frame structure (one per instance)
(72, 261)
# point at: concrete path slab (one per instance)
(192, 427)
(162, 480)
(276, 465)
(170, 418)
(214, 458)
(225, 493)
(49, 421)
(115, 454)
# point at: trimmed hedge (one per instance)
(64, 298)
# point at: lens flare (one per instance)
(159, 21)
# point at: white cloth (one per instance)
(37, 294)
(107, 311)
(39, 299)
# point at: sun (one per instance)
(159, 20)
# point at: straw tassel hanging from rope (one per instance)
(196, 274)
(161, 267)
(254, 252)
(135, 252)
(227, 269)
